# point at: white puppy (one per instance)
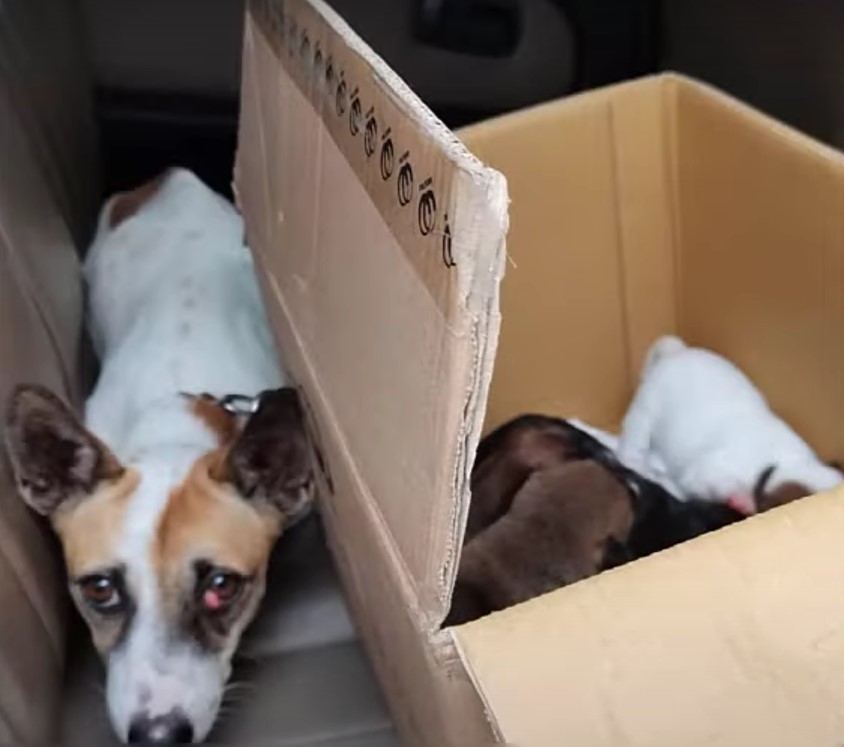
(651, 467)
(714, 432)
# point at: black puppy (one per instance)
(660, 520)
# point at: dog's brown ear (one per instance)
(53, 456)
(787, 492)
(270, 460)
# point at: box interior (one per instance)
(653, 207)
(661, 206)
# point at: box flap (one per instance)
(383, 240)
(736, 638)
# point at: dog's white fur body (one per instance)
(173, 287)
(712, 428)
(174, 307)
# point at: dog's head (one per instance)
(166, 562)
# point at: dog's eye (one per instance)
(101, 594)
(220, 589)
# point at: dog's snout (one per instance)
(172, 728)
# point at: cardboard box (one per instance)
(657, 206)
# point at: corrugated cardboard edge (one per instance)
(458, 650)
(292, 27)
(482, 222)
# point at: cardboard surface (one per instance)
(736, 638)
(430, 697)
(591, 258)
(761, 243)
(390, 287)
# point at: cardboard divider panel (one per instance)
(428, 695)
(390, 282)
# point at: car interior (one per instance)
(160, 83)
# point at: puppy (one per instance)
(508, 456)
(661, 521)
(714, 431)
(166, 503)
(556, 531)
(552, 505)
(767, 497)
(653, 468)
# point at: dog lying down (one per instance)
(552, 505)
(168, 500)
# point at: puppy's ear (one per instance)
(783, 494)
(270, 460)
(53, 456)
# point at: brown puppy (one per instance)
(552, 505)
(557, 530)
(767, 498)
(510, 454)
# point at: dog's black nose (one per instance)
(172, 728)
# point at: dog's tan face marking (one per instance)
(167, 556)
(90, 527)
(205, 519)
(126, 204)
(205, 524)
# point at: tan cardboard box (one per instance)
(652, 207)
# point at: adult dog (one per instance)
(168, 499)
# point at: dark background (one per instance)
(167, 72)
